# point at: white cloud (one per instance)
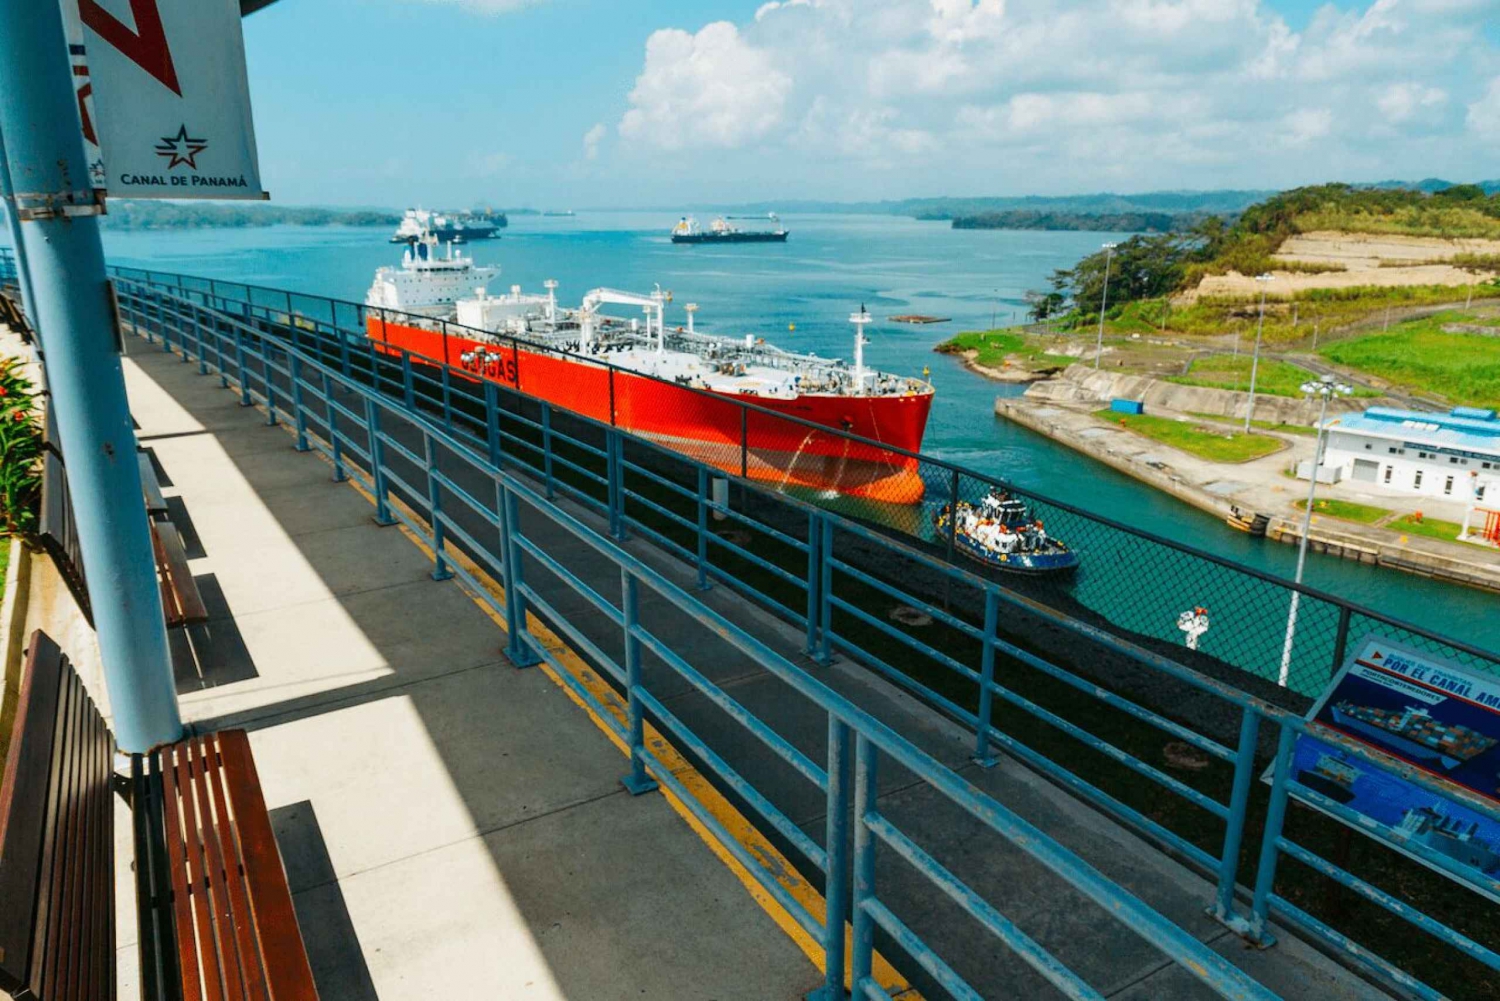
(1191, 93)
(712, 89)
(1305, 125)
(1484, 114)
(591, 140)
(1401, 101)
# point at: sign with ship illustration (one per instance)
(1424, 710)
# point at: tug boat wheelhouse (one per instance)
(678, 387)
(1000, 533)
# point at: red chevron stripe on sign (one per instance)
(146, 46)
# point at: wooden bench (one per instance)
(180, 598)
(216, 916)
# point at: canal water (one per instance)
(799, 295)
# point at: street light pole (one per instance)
(1109, 251)
(1325, 388)
(1255, 362)
(60, 233)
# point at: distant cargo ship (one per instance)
(449, 228)
(675, 385)
(1413, 731)
(1331, 777)
(687, 230)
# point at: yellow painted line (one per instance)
(709, 798)
(668, 756)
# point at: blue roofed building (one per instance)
(1454, 455)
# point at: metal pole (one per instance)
(23, 271)
(1109, 251)
(1312, 493)
(1255, 361)
(59, 230)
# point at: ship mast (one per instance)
(551, 286)
(691, 308)
(859, 320)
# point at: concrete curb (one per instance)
(12, 635)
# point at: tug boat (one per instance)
(677, 386)
(1000, 533)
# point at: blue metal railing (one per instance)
(1249, 632)
(298, 370)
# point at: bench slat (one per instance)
(192, 988)
(216, 895)
(285, 957)
(241, 917)
(179, 592)
(150, 485)
(23, 829)
(63, 859)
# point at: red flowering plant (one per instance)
(20, 451)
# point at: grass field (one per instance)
(1274, 378)
(1419, 355)
(1365, 514)
(1196, 439)
(993, 347)
(1431, 528)
(1301, 429)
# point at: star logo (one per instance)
(181, 149)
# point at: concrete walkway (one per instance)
(452, 827)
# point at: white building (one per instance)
(1453, 456)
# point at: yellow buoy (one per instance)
(791, 327)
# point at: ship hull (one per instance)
(1382, 736)
(710, 427)
(456, 235)
(778, 237)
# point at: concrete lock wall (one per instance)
(1081, 384)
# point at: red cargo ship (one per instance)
(677, 387)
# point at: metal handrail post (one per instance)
(547, 448)
(744, 443)
(861, 960)
(814, 576)
(983, 756)
(298, 414)
(377, 464)
(702, 529)
(1239, 803)
(198, 318)
(408, 381)
(239, 365)
(615, 485)
(636, 780)
(266, 375)
(1340, 640)
(447, 381)
(836, 846)
(492, 425)
(517, 651)
(1270, 848)
(825, 593)
(334, 444)
(58, 220)
(219, 351)
(441, 570)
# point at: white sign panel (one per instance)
(171, 99)
(85, 88)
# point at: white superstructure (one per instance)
(430, 281)
(1454, 455)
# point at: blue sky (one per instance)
(660, 102)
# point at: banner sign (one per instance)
(1440, 717)
(170, 97)
(84, 86)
